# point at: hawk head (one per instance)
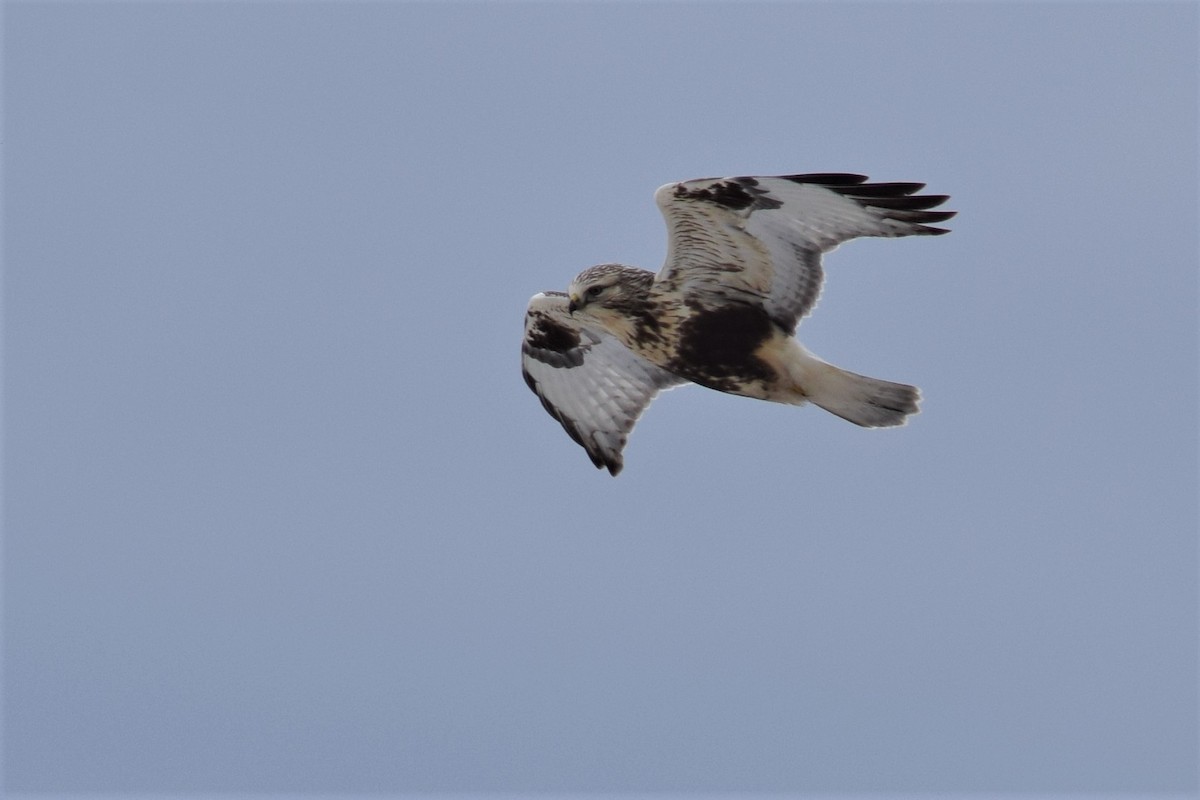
(609, 290)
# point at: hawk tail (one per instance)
(868, 402)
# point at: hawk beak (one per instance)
(572, 306)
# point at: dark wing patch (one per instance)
(738, 194)
(552, 342)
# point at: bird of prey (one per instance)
(743, 268)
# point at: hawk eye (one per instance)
(593, 292)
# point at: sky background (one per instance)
(280, 514)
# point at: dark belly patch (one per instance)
(716, 347)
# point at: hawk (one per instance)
(743, 268)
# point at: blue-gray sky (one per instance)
(280, 514)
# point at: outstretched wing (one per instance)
(759, 240)
(588, 381)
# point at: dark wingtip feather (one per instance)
(830, 179)
(904, 202)
(922, 217)
(892, 189)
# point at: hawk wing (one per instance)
(588, 381)
(759, 240)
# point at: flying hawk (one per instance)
(743, 268)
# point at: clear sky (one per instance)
(280, 514)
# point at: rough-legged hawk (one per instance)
(743, 267)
